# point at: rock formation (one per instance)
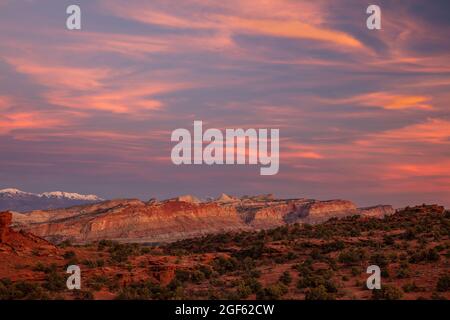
(188, 198)
(180, 218)
(5, 222)
(225, 198)
(377, 211)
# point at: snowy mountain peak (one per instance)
(17, 200)
(12, 191)
(70, 195)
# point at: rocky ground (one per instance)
(292, 261)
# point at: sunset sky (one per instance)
(363, 114)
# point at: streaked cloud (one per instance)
(386, 100)
(362, 114)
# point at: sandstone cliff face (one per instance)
(139, 222)
(5, 222)
(377, 211)
(171, 220)
(18, 242)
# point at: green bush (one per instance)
(351, 256)
(387, 292)
(286, 278)
(410, 287)
(21, 290)
(273, 292)
(380, 260)
(54, 281)
(318, 293)
(443, 283)
(69, 255)
(430, 255)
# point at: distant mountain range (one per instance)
(17, 200)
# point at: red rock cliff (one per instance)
(5, 222)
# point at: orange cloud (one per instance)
(403, 170)
(291, 29)
(386, 100)
(124, 44)
(96, 88)
(123, 99)
(54, 75)
(27, 120)
(436, 131)
(5, 102)
(292, 152)
(270, 18)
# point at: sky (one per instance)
(363, 114)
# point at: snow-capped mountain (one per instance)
(10, 192)
(18, 200)
(70, 195)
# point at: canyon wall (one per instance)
(180, 218)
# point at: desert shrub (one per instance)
(69, 255)
(393, 257)
(351, 256)
(286, 278)
(102, 244)
(305, 267)
(403, 273)
(248, 264)
(243, 291)
(318, 293)
(388, 240)
(410, 287)
(148, 290)
(272, 292)
(433, 255)
(54, 281)
(255, 251)
(225, 265)
(182, 275)
(206, 270)
(387, 292)
(430, 255)
(316, 280)
(21, 290)
(45, 268)
(197, 276)
(437, 296)
(121, 252)
(254, 274)
(379, 259)
(94, 263)
(98, 282)
(332, 246)
(443, 283)
(332, 263)
(254, 285)
(355, 271)
(40, 267)
(83, 295)
(409, 234)
(217, 282)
